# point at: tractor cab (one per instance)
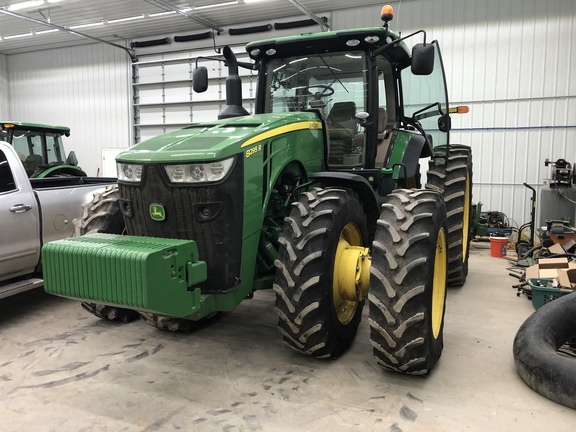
(41, 149)
(375, 97)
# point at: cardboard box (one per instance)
(567, 278)
(557, 248)
(548, 268)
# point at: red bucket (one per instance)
(498, 246)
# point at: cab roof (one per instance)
(36, 127)
(333, 41)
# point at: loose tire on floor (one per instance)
(454, 181)
(311, 316)
(535, 349)
(103, 215)
(408, 282)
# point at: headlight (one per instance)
(129, 172)
(198, 173)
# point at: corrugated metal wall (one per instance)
(86, 88)
(3, 87)
(513, 63)
(510, 61)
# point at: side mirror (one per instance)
(200, 79)
(72, 159)
(422, 59)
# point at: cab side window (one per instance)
(7, 183)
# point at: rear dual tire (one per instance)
(453, 179)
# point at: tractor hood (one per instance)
(219, 139)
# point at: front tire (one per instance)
(103, 215)
(408, 282)
(313, 317)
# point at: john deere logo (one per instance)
(157, 212)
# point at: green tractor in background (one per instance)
(317, 196)
(40, 148)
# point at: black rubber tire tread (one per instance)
(450, 180)
(178, 324)
(103, 215)
(304, 304)
(535, 351)
(401, 282)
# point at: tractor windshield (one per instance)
(333, 83)
(28, 143)
(316, 81)
(36, 148)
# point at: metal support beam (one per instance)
(324, 25)
(67, 30)
(187, 14)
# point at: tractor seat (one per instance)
(31, 163)
(342, 126)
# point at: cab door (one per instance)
(425, 101)
(19, 220)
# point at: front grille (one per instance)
(210, 214)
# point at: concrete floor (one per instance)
(62, 369)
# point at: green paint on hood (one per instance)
(209, 141)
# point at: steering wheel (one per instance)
(326, 90)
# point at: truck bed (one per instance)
(59, 182)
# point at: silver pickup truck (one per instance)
(34, 212)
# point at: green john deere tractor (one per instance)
(40, 148)
(317, 196)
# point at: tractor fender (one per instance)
(359, 185)
(418, 147)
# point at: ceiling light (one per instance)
(16, 36)
(94, 24)
(118, 20)
(46, 31)
(25, 5)
(215, 5)
(54, 1)
(160, 14)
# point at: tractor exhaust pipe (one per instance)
(234, 106)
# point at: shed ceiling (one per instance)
(117, 20)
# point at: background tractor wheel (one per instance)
(454, 181)
(408, 282)
(318, 314)
(103, 215)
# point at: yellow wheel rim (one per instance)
(466, 221)
(439, 284)
(348, 274)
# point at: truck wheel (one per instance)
(408, 282)
(454, 181)
(318, 314)
(103, 215)
(538, 360)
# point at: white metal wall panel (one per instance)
(86, 88)
(512, 62)
(3, 88)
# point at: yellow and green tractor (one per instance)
(318, 196)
